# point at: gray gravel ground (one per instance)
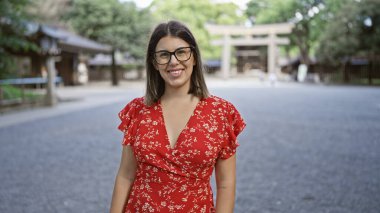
(305, 149)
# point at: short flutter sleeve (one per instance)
(234, 125)
(129, 117)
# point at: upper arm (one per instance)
(128, 163)
(225, 169)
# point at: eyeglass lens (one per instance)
(181, 54)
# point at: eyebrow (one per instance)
(168, 50)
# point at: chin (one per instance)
(178, 83)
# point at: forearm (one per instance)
(120, 193)
(225, 197)
(225, 176)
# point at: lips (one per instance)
(175, 73)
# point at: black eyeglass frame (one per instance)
(173, 53)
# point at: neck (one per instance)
(176, 93)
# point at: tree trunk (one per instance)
(301, 39)
(346, 76)
(370, 66)
(51, 96)
(114, 76)
(140, 70)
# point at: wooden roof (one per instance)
(66, 41)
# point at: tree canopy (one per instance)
(354, 30)
(304, 13)
(332, 30)
(121, 25)
(329, 29)
(12, 33)
(49, 12)
(195, 14)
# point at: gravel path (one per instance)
(305, 149)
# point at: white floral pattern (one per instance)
(178, 179)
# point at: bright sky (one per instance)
(145, 3)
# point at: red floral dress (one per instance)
(178, 179)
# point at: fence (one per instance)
(21, 92)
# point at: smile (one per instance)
(175, 73)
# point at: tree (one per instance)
(49, 12)
(339, 38)
(195, 14)
(369, 22)
(304, 13)
(354, 30)
(12, 34)
(120, 25)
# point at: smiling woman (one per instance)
(176, 71)
(176, 135)
(173, 39)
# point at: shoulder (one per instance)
(137, 102)
(133, 107)
(221, 103)
(129, 114)
(225, 109)
(228, 112)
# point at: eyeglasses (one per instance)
(181, 54)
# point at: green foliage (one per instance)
(49, 12)
(195, 14)
(121, 25)
(304, 13)
(336, 31)
(271, 11)
(10, 92)
(339, 39)
(12, 34)
(369, 13)
(7, 65)
(350, 33)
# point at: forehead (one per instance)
(171, 43)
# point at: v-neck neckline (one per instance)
(183, 129)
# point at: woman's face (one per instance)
(177, 72)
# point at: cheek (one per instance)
(159, 68)
(191, 63)
(155, 65)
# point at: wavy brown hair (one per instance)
(155, 87)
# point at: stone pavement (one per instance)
(73, 99)
(101, 93)
(306, 149)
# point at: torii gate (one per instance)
(247, 39)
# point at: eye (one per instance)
(181, 52)
(163, 55)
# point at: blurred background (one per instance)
(304, 74)
(81, 41)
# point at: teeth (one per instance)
(175, 73)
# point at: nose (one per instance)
(173, 60)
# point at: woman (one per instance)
(176, 134)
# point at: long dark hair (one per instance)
(155, 87)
